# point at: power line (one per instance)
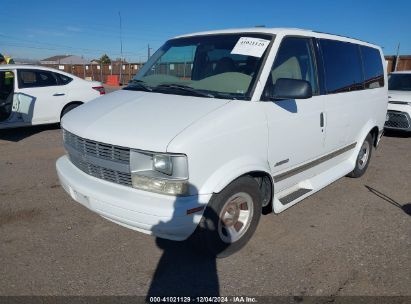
(20, 45)
(57, 47)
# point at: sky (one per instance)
(40, 29)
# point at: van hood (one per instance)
(399, 96)
(139, 120)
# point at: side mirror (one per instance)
(287, 88)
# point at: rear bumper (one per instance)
(160, 215)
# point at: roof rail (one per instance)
(319, 32)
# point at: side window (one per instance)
(27, 78)
(63, 78)
(36, 78)
(295, 60)
(45, 78)
(342, 63)
(373, 70)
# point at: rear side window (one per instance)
(63, 78)
(373, 70)
(36, 78)
(342, 64)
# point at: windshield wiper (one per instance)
(138, 85)
(184, 88)
(227, 96)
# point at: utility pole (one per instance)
(148, 52)
(397, 58)
(121, 49)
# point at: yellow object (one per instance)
(9, 76)
(9, 60)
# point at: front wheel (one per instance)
(363, 158)
(230, 218)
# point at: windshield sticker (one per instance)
(250, 46)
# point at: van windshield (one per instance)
(215, 66)
(399, 82)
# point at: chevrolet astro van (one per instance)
(220, 127)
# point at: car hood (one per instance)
(139, 120)
(399, 95)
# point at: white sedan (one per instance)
(33, 95)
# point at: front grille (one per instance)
(97, 149)
(397, 120)
(110, 175)
(104, 161)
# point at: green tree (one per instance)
(105, 59)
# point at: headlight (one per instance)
(163, 163)
(159, 172)
(164, 186)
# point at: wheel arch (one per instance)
(69, 104)
(266, 184)
(374, 133)
(228, 174)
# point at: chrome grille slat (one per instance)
(97, 149)
(105, 152)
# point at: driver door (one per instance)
(296, 127)
(14, 110)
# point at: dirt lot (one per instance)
(352, 238)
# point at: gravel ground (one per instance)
(351, 238)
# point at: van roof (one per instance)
(281, 31)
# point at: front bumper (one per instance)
(160, 215)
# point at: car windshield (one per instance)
(399, 82)
(214, 66)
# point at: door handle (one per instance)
(322, 120)
(59, 94)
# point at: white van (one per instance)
(220, 127)
(399, 104)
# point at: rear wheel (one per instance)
(230, 218)
(363, 158)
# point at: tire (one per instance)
(69, 108)
(363, 158)
(225, 227)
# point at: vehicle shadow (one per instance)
(17, 134)
(406, 207)
(182, 270)
(394, 133)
